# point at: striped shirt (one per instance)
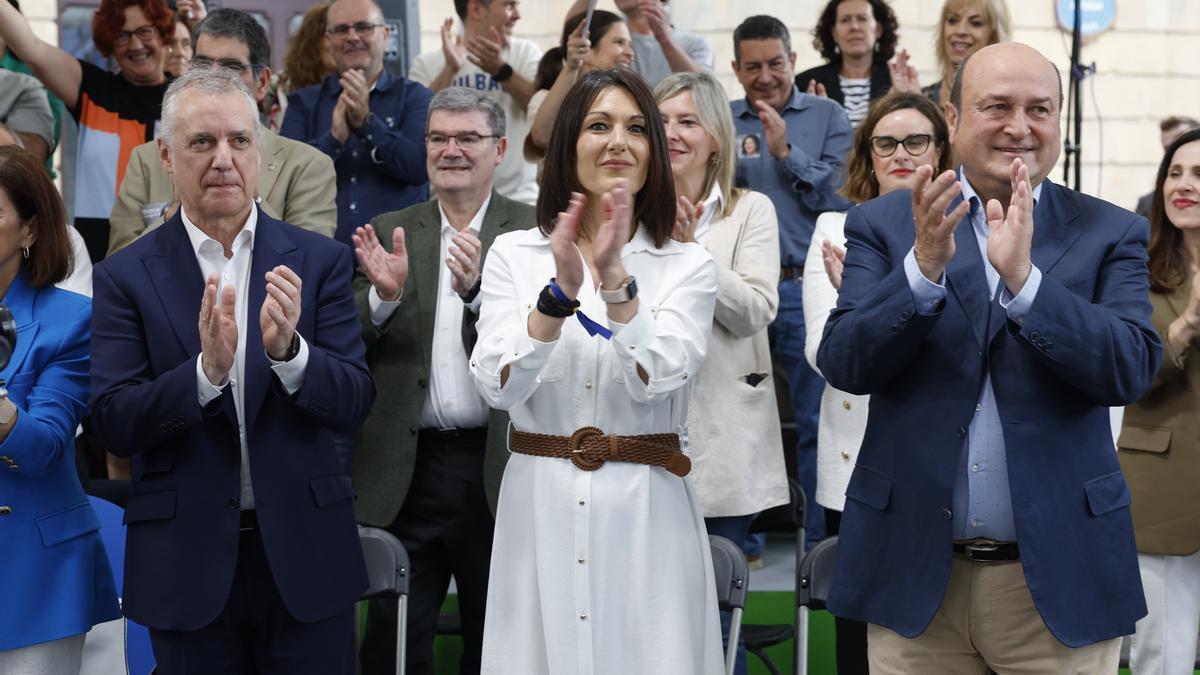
(856, 97)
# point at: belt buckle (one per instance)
(578, 456)
(971, 550)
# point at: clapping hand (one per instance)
(834, 257)
(774, 130)
(386, 270)
(656, 16)
(280, 311)
(465, 250)
(355, 96)
(1010, 234)
(578, 49)
(485, 53)
(452, 47)
(567, 263)
(816, 89)
(218, 331)
(687, 217)
(904, 76)
(934, 245)
(614, 232)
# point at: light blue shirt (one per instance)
(982, 499)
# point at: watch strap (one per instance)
(623, 293)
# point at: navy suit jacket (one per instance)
(183, 514)
(1086, 344)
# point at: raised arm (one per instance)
(58, 70)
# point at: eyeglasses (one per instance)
(360, 27)
(467, 141)
(232, 65)
(914, 144)
(145, 34)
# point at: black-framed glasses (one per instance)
(232, 65)
(145, 34)
(360, 27)
(467, 141)
(914, 144)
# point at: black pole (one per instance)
(1075, 135)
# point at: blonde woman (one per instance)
(733, 418)
(964, 27)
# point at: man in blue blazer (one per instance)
(242, 552)
(993, 317)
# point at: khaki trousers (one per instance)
(987, 620)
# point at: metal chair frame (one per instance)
(388, 575)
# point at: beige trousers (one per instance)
(987, 620)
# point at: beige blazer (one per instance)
(296, 184)
(733, 425)
(1159, 446)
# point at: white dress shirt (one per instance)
(452, 401)
(235, 270)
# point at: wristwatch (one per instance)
(503, 74)
(623, 293)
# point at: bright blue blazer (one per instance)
(58, 579)
(1086, 344)
(182, 518)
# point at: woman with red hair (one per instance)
(115, 111)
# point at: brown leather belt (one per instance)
(988, 551)
(794, 272)
(589, 448)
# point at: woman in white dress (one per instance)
(901, 132)
(733, 418)
(601, 562)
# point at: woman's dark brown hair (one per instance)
(885, 46)
(861, 183)
(303, 65)
(654, 204)
(1169, 264)
(109, 19)
(25, 181)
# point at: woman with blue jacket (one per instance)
(58, 579)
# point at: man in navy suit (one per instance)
(242, 553)
(993, 317)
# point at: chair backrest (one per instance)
(731, 572)
(816, 574)
(785, 517)
(387, 563)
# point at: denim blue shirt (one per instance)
(805, 184)
(381, 166)
(982, 499)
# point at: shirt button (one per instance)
(587, 385)
(846, 405)
(582, 502)
(583, 617)
(978, 407)
(227, 277)
(947, 514)
(975, 468)
(845, 455)
(581, 561)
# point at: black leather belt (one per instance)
(249, 520)
(453, 435)
(988, 551)
(794, 272)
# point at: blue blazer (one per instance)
(1086, 344)
(59, 581)
(183, 513)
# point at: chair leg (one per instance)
(401, 633)
(735, 631)
(802, 641)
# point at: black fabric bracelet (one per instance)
(553, 307)
(474, 292)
